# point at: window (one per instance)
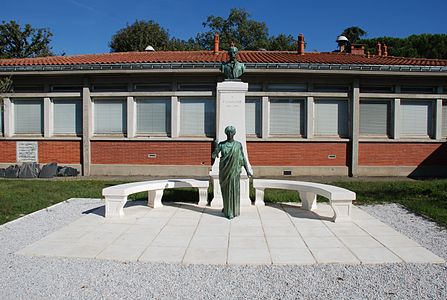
(109, 88)
(374, 117)
(151, 87)
(254, 87)
(154, 116)
(66, 88)
(28, 89)
(376, 89)
(197, 86)
(67, 117)
(330, 88)
(197, 117)
(28, 116)
(287, 87)
(444, 118)
(331, 117)
(286, 117)
(253, 116)
(418, 89)
(110, 117)
(416, 118)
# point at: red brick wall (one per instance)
(7, 152)
(402, 154)
(297, 154)
(168, 153)
(67, 152)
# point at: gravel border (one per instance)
(23, 277)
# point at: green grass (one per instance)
(21, 197)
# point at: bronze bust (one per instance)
(232, 69)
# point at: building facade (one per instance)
(154, 113)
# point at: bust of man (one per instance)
(232, 69)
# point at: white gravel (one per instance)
(24, 277)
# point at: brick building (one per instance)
(153, 113)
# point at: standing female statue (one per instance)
(231, 160)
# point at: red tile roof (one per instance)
(210, 57)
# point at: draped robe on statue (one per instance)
(231, 161)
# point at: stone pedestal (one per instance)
(230, 110)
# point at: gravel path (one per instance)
(62, 278)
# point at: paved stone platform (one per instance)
(189, 234)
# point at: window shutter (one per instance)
(331, 117)
(286, 117)
(253, 117)
(67, 117)
(415, 118)
(197, 117)
(374, 117)
(110, 116)
(28, 116)
(444, 118)
(154, 116)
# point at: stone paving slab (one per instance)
(273, 234)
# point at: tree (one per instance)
(282, 42)
(5, 85)
(238, 27)
(421, 45)
(18, 42)
(354, 34)
(138, 36)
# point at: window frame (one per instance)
(124, 114)
(302, 114)
(168, 115)
(315, 118)
(389, 117)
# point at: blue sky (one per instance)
(83, 26)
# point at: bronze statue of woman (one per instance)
(231, 160)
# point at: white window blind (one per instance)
(444, 118)
(253, 117)
(110, 116)
(374, 117)
(28, 116)
(67, 117)
(415, 118)
(197, 117)
(331, 117)
(286, 117)
(154, 116)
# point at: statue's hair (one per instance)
(230, 129)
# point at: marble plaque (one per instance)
(27, 152)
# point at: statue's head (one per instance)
(230, 131)
(232, 52)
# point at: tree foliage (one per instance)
(238, 27)
(5, 85)
(138, 36)
(354, 34)
(18, 42)
(420, 45)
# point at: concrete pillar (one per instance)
(8, 117)
(48, 124)
(175, 117)
(87, 128)
(396, 119)
(265, 117)
(438, 120)
(131, 117)
(310, 118)
(355, 129)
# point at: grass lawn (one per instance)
(21, 197)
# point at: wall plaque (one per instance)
(27, 152)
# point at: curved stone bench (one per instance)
(340, 199)
(116, 196)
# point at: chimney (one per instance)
(384, 50)
(379, 49)
(300, 44)
(216, 43)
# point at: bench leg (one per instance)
(259, 200)
(115, 206)
(308, 200)
(203, 196)
(154, 198)
(342, 210)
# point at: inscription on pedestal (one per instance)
(26, 152)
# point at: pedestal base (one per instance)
(244, 192)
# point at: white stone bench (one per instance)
(340, 199)
(116, 196)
